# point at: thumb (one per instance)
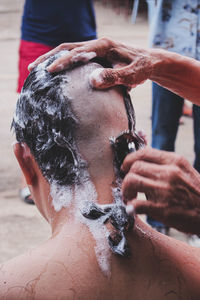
(105, 78)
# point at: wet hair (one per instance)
(45, 121)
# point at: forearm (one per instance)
(177, 73)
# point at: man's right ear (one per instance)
(26, 162)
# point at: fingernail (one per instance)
(141, 132)
(96, 78)
(48, 68)
(31, 66)
(14, 143)
(129, 209)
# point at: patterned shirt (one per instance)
(175, 26)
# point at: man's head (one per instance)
(65, 123)
(64, 129)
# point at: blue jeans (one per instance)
(166, 112)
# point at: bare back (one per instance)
(66, 267)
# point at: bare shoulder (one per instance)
(34, 276)
(12, 284)
(18, 277)
(45, 274)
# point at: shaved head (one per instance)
(67, 124)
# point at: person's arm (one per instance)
(132, 66)
(177, 73)
(171, 185)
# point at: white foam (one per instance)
(17, 117)
(59, 67)
(61, 196)
(117, 195)
(129, 209)
(102, 250)
(83, 193)
(14, 143)
(83, 56)
(51, 110)
(62, 53)
(95, 77)
(31, 66)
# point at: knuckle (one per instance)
(62, 46)
(178, 158)
(162, 155)
(76, 50)
(142, 153)
(136, 167)
(181, 161)
(174, 174)
(129, 181)
(165, 214)
(113, 54)
(105, 40)
(166, 191)
(128, 161)
(110, 76)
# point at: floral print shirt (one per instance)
(175, 26)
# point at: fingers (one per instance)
(150, 155)
(52, 52)
(69, 59)
(111, 77)
(150, 170)
(133, 60)
(134, 183)
(177, 217)
(152, 210)
(143, 207)
(147, 207)
(103, 78)
(83, 52)
(143, 135)
(80, 52)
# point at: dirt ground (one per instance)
(21, 226)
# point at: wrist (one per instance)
(165, 65)
(158, 59)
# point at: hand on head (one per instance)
(131, 66)
(170, 184)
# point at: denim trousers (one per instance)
(166, 112)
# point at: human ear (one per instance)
(26, 162)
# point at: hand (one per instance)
(171, 185)
(131, 66)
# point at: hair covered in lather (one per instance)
(45, 122)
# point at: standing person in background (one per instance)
(45, 25)
(175, 26)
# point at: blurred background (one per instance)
(21, 226)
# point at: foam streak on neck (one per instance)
(61, 196)
(83, 193)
